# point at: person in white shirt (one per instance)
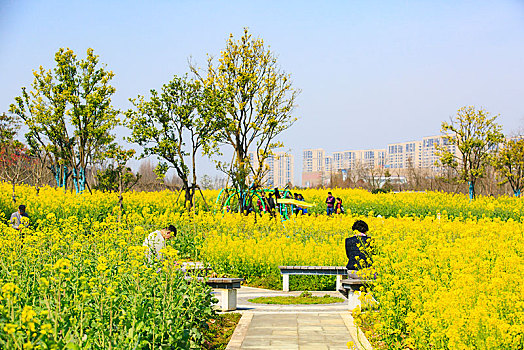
(156, 241)
(19, 217)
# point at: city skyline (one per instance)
(398, 156)
(316, 163)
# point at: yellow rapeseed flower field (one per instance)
(447, 273)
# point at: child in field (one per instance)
(339, 209)
(301, 198)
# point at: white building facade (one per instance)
(279, 169)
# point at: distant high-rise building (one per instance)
(343, 160)
(430, 152)
(400, 155)
(313, 164)
(283, 169)
(347, 160)
(279, 168)
(372, 158)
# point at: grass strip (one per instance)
(220, 330)
(291, 300)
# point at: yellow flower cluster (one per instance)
(146, 206)
(440, 283)
(71, 281)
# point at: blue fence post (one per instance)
(82, 180)
(64, 180)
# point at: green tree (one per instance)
(509, 162)
(15, 164)
(9, 126)
(259, 100)
(117, 177)
(69, 115)
(206, 182)
(177, 124)
(15, 160)
(476, 136)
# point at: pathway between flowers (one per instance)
(327, 326)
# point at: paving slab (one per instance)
(293, 337)
(300, 327)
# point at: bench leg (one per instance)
(285, 282)
(353, 299)
(228, 300)
(339, 282)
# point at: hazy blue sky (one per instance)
(371, 72)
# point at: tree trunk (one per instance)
(75, 181)
(14, 195)
(120, 198)
(207, 207)
(188, 198)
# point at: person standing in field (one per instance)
(301, 198)
(271, 201)
(339, 209)
(19, 217)
(356, 246)
(156, 241)
(330, 202)
(297, 209)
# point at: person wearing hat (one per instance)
(19, 217)
(156, 241)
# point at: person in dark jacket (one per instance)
(356, 248)
(271, 202)
(330, 204)
(277, 193)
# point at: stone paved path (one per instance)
(288, 327)
(312, 331)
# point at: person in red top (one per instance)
(330, 201)
(259, 205)
(339, 209)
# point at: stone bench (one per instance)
(351, 286)
(286, 271)
(228, 290)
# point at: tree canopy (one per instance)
(69, 114)
(476, 136)
(509, 162)
(259, 100)
(177, 123)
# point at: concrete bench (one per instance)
(352, 287)
(286, 271)
(228, 290)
